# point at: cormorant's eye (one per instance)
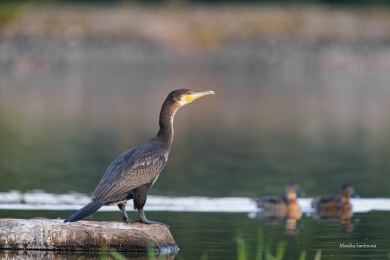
(189, 93)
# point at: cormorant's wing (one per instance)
(131, 170)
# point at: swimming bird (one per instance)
(283, 208)
(335, 206)
(132, 174)
(280, 207)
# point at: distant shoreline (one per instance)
(198, 27)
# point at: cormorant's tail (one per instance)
(86, 211)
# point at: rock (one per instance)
(54, 234)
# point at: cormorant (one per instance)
(132, 174)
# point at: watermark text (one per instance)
(357, 245)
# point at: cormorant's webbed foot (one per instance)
(143, 219)
(147, 221)
(127, 220)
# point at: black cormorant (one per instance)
(132, 174)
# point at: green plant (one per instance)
(242, 253)
(260, 245)
(118, 256)
(303, 255)
(151, 253)
(264, 252)
(318, 255)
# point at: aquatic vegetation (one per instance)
(264, 251)
(118, 256)
(110, 254)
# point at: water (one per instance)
(316, 113)
(40, 200)
(205, 226)
(214, 233)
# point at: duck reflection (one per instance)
(283, 207)
(336, 207)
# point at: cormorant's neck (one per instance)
(167, 114)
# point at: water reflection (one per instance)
(284, 208)
(52, 254)
(337, 207)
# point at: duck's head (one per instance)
(293, 190)
(348, 191)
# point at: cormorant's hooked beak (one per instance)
(197, 94)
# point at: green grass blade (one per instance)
(103, 254)
(260, 244)
(318, 255)
(241, 247)
(302, 256)
(280, 250)
(204, 257)
(151, 253)
(267, 254)
(118, 256)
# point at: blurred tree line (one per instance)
(368, 3)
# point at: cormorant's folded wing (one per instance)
(129, 171)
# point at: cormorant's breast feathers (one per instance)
(134, 168)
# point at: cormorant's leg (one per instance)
(122, 208)
(147, 221)
(139, 200)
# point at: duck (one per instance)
(281, 207)
(331, 206)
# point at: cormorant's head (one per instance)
(185, 96)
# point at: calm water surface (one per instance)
(214, 234)
(316, 113)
